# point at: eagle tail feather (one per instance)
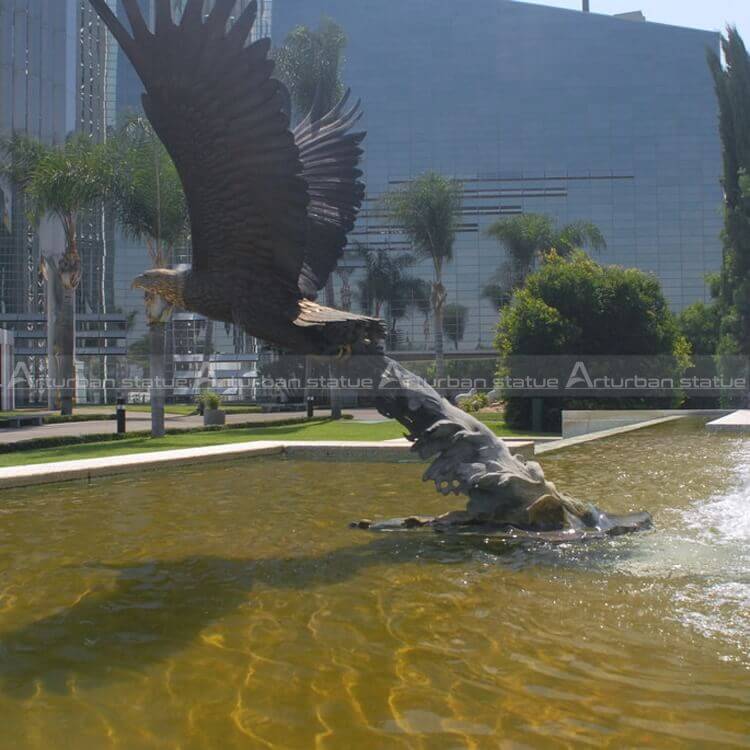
(362, 334)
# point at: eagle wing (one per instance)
(330, 156)
(213, 102)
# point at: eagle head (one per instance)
(164, 283)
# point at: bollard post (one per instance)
(537, 415)
(310, 407)
(121, 417)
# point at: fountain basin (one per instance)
(229, 605)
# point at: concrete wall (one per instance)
(575, 423)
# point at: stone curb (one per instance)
(738, 421)
(87, 469)
(604, 434)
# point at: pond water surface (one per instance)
(230, 607)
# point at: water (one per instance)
(209, 608)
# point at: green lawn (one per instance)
(344, 430)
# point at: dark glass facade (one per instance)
(534, 109)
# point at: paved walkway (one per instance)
(739, 421)
(141, 422)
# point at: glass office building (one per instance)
(534, 109)
(62, 72)
(223, 357)
(53, 82)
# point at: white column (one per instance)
(7, 393)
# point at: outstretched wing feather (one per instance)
(330, 156)
(224, 120)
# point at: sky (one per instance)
(712, 15)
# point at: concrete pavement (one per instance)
(141, 422)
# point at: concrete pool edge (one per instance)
(604, 434)
(87, 469)
(389, 451)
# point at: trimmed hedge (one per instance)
(57, 419)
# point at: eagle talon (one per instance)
(344, 352)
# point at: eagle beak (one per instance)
(139, 282)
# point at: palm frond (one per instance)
(149, 198)
(427, 211)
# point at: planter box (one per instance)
(214, 418)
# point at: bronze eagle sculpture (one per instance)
(270, 207)
(270, 210)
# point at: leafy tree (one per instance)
(454, 322)
(574, 306)
(527, 238)
(151, 208)
(60, 182)
(427, 210)
(732, 83)
(700, 324)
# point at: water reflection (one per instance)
(151, 609)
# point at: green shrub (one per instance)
(575, 306)
(475, 403)
(209, 400)
(58, 419)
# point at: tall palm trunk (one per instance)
(62, 277)
(66, 350)
(204, 380)
(158, 314)
(334, 393)
(439, 295)
(157, 369)
(54, 338)
(69, 268)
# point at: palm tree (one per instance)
(499, 290)
(151, 208)
(61, 182)
(528, 238)
(420, 294)
(309, 64)
(383, 274)
(409, 292)
(454, 322)
(385, 285)
(427, 211)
